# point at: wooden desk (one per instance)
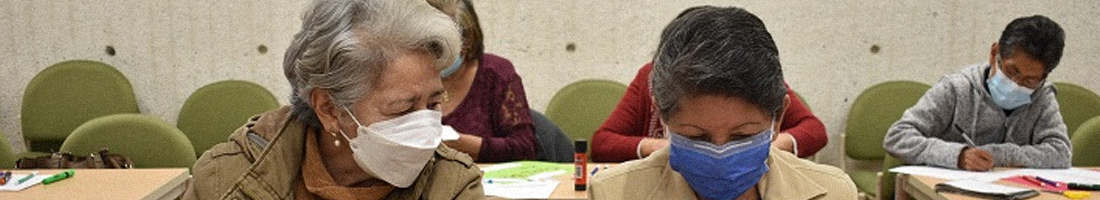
(922, 187)
(167, 183)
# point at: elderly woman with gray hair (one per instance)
(364, 121)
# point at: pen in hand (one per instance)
(965, 136)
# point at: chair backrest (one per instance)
(67, 94)
(7, 155)
(150, 142)
(1076, 104)
(872, 114)
(214, 111)
(1086, 144)
(581, 107)
(554, 145)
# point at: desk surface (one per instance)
(921, 187)
(108, 184)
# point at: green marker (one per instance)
(58, 177)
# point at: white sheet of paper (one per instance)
(941, 173)
(1075, 175)
(449, 133)
(13, 184)
(520, 189)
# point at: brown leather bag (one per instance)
(57, 160)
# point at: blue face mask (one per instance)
(720, 172)
(453, 68)
(1006, 93)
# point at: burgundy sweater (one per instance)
(496, 110)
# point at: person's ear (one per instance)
(993, 52)
(781, 112)
(326, 111)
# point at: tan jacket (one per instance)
(788, 178)
(262, 160)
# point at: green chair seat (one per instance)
(1086, 144)
(66, 95)
(214, 111)
(581, 107)
(1076, 104)
(150, 142)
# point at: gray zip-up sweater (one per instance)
(1032, 135)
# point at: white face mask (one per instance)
(396, 150)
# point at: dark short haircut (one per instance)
(1038, 36)
(723, 51)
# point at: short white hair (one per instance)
(345, 45)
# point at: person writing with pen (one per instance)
(997, 114)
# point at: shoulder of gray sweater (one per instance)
(965, 79)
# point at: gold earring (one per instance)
(336, 140)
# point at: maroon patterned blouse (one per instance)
(496, 110)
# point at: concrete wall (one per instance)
(170, 48)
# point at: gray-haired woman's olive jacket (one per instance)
(262, 160)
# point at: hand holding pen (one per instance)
(972, 158)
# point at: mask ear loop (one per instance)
(345, 135)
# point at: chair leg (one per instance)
(843, 155)
(879, 188)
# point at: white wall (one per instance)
(170, 48)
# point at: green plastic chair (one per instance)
(67, 94)
(581, 107)
(1086, 144)
(7, 155)
(886, 186)
(148, 141)
(1076, 104)
(214, 111)
(871, 115)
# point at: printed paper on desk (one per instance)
(14, 185)
(949, 174)
(531, 170)
(520, 190)
(523, 179)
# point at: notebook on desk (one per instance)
(985, 190)
(18, 182)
